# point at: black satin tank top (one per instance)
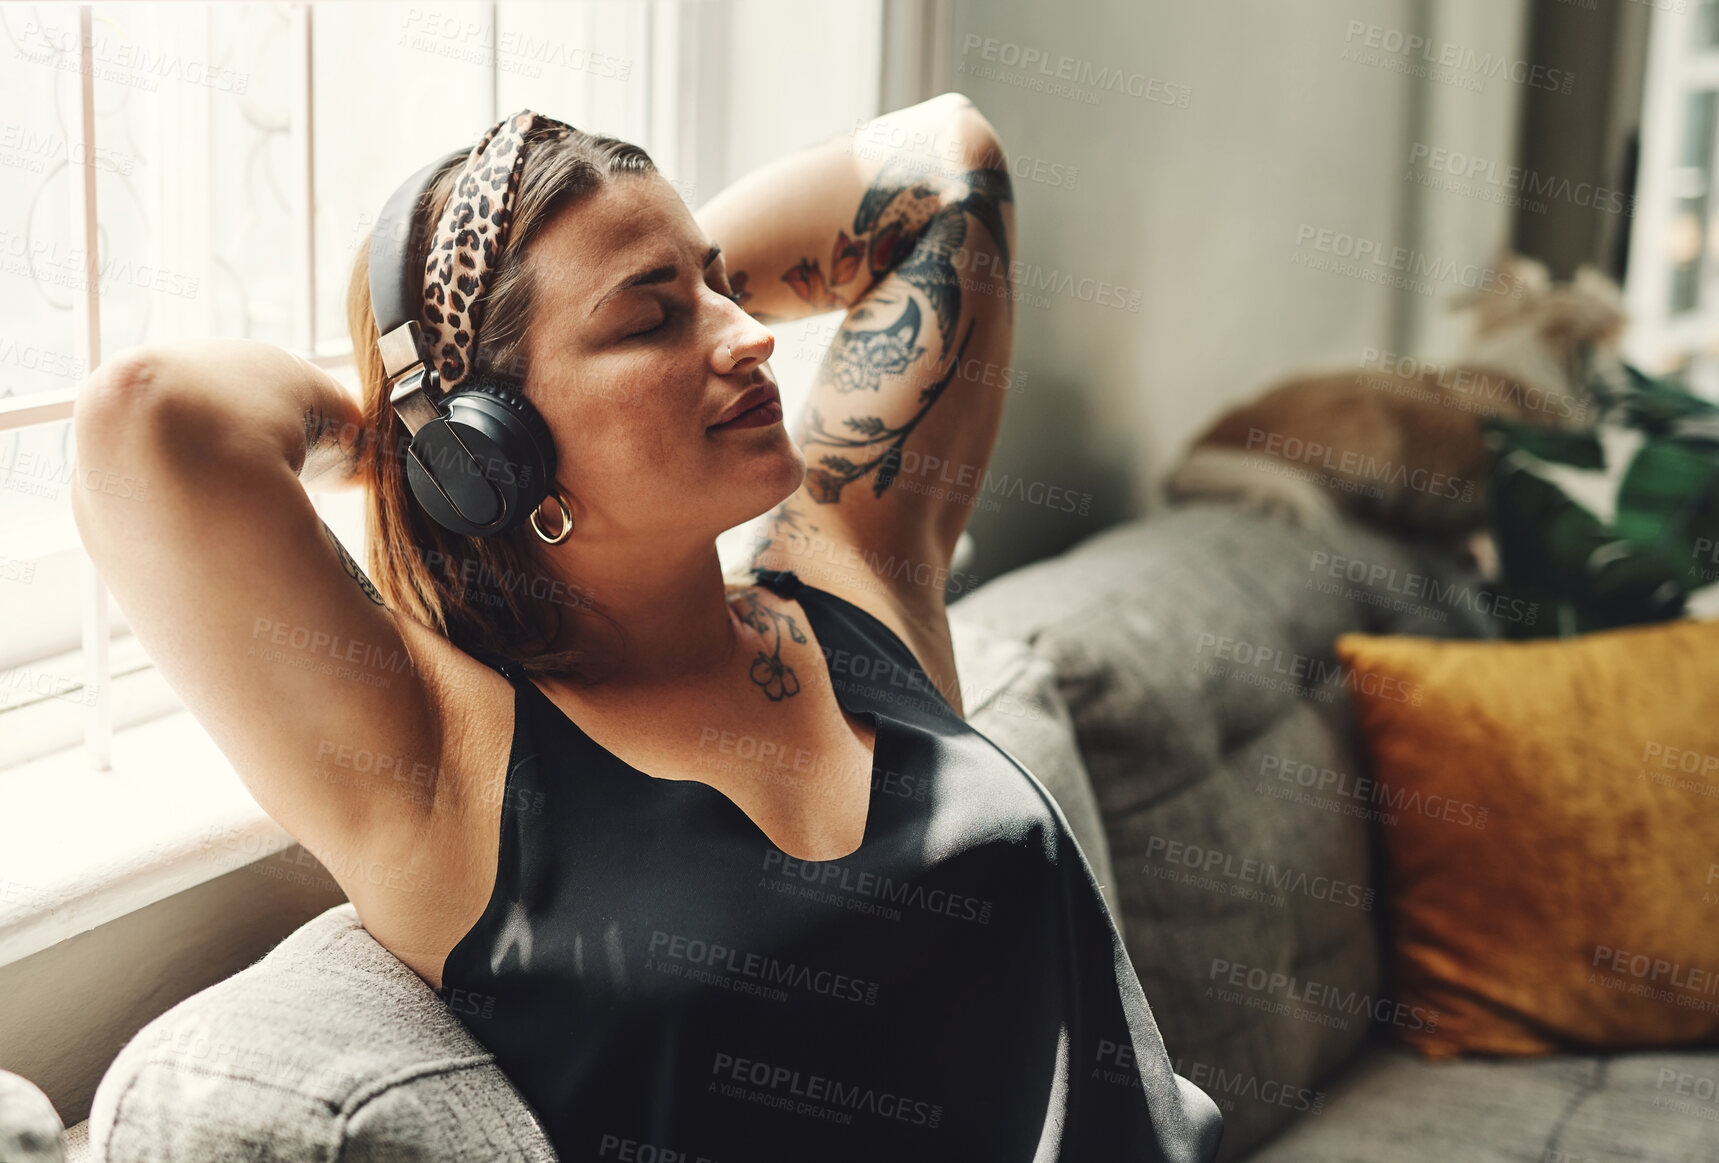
(660, 982)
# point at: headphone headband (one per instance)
(480, 457)
(397, 289)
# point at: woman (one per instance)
(715, 869)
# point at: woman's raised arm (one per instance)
(907, 223)
(259, 619)
(815, 230)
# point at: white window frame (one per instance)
(1660, 340)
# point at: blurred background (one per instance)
(1210, 195)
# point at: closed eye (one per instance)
(731, 296)
(653, 329)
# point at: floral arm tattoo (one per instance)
(913, 224)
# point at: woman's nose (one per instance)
(746, 350)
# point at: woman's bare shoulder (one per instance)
(906, 599)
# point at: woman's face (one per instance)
(629, 358)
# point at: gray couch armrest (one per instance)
(329, 1047)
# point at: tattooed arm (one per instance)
(814, 231)
(906, 225)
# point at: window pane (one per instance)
(41, 248)
(392, 92)
(1689, 220)
(196, 233)
(253, 267)
(41, 277)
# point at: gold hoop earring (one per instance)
(566, 520)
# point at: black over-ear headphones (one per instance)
(481, 458)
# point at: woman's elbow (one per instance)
(977, 138)
(121, 386)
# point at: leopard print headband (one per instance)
(469, 239)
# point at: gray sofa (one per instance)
(1148, 677)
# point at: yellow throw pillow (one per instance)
(1551, 856)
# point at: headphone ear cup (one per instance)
(486, 463)
(540, 461)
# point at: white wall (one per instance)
(1198, 210)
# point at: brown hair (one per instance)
(495, 593)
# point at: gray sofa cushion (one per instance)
(1193, 650)
(1395, 1106)
(1010, 696)
(327, 1048)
